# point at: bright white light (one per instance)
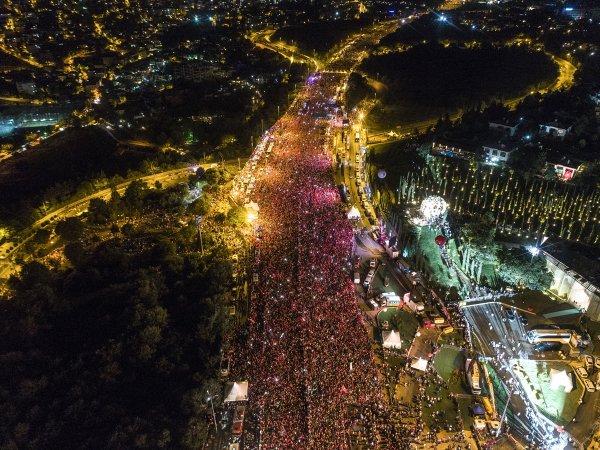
(533, 250)
(433, 208)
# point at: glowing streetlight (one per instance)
(252, 216)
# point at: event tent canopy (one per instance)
(238, 392)
(391, 339)
(353, 214)
(419, 364)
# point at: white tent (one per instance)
(353, 214)
(391, 339)
(560, 378)
(419, 364)
(253, 206)
(238, 392)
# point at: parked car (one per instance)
(597, 362)
(589, 362)
(581, 372)
(589, 386)
(372, 262)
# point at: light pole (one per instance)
(212, 406)
(509, 393)
(198, 223)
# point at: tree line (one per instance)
(112, 340)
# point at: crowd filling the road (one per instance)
(308, 357)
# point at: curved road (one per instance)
(7, 267)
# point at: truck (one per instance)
(473, 376)
(238, 420)
(389, 299)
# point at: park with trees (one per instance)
(429, 80)
(112, 335)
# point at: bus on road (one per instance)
(549, 335)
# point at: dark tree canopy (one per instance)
(115, 351)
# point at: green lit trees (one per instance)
(518, 267)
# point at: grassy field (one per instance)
(442, 411)
(401, 320)
(557, 405)
(449, 363)
(440, 273)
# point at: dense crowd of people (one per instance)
(308, 358)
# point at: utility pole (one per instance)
(509, 393)
(198, 223)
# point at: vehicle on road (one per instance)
(523, 320)
(238, 420)
(473, 375)
(547, 347)
(597, 363)
(549, 335)
(356, 278)
(589, 362)
(589, 386)
(372, 262)
(224, 366)
(510, 313)
(369, 277)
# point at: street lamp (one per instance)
(198, 223)
(210, 399)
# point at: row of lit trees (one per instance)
(535, 206)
